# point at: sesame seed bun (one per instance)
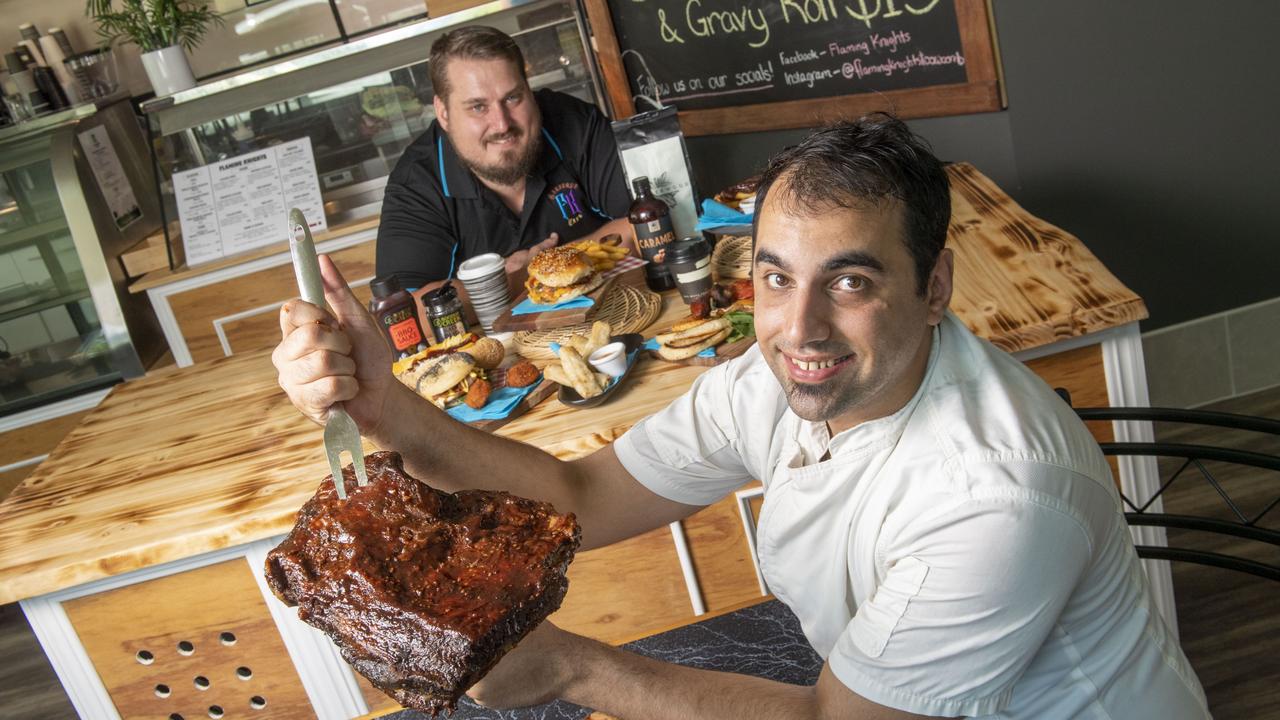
(560, 267)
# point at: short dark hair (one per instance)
(870, 159)
(474, 42)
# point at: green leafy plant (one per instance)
(153, 24)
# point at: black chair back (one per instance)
(1197, 463)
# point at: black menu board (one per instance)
(718, 54)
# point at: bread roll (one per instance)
(681, 353)
(560, 266)
(444, 372)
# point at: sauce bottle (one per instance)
(651, 221)
(397, 315)
(444, 312)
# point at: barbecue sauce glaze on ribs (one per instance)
(422, 591)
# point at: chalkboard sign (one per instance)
(732, 65)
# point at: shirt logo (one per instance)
(567, 198)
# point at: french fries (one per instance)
(602, 255)
(574, 370)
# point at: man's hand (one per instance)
(532, 673)
(519, 259)
(327, 358)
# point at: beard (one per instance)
(824, 401)
(514, 166)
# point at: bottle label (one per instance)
(447, 325)
(403, 329)
(405, 334)
(652, 238)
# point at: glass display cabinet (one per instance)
(68, 326)
(360, 104)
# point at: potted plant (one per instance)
(161, 29)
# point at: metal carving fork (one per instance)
(340, 431)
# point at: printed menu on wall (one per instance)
(242, 203)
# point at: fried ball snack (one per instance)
(522, 374)
(478, 394)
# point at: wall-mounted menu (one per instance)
(242, 203)
(717, 53)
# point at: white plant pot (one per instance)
(168, 70)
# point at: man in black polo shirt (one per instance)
(502, 169)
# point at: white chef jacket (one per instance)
(965, 556)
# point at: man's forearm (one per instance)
(620, 226)
(627, 685)
(451, 456)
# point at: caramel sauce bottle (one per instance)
(651, 221)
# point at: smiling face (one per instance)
(491, 118)
(838, 315)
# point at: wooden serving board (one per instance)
(544, 390)
(724, 353)
(552, 319)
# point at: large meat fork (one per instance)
(340, 431)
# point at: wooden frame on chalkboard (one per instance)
(981, 92)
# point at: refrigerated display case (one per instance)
(68, 325)
(360, 104)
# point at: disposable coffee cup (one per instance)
(689, 262)
(485, 278)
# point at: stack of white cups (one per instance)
(485, 278)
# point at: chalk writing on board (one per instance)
(715, 53)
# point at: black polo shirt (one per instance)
(436, 213)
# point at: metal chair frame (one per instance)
(1194, 457)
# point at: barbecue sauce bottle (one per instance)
(651, 221)
(397, 315)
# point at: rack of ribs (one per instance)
(422, 591)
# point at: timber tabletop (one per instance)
(190, 460)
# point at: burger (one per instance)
(560, 274)
(690, 337)
(444, 379)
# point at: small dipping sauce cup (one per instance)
(610, 359)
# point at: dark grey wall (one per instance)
(1147, 128)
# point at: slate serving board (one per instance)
(763, 640)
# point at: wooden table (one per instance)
(133, 536)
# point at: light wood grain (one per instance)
(196, 606)
(197, 309)
(262, 330)
(38, 438)
(1021, 282)
(190, 460)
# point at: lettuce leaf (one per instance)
(744, 326)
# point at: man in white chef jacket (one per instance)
(944, 527)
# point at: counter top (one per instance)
(165, 276)
(190, 460)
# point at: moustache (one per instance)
(503, 137)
